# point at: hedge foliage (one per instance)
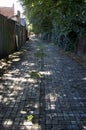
(61, 21)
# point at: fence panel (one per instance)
(7, 36)
(1, 35)
(12, 36)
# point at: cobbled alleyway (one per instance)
(42, 89)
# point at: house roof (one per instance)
(7, 11)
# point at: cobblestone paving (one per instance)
(55, 95)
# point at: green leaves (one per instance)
(30, 117)
(57, 16)
(35, 74)
(40, 54)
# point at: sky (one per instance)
(9, 3)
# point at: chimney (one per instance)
(13, 5)
(18, 16)
(13, 8)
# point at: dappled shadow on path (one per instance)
(19, 93)
(51, 95)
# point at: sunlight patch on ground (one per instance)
(1, 98)
(26, 63)
(52, 96)
(28, 124)
(17, 59)
(21, 79)
(5, 100)
(36, 105)
(52, 106)
(31, 126)
(84, 127)
(2, 64)
(7, 123)
(23, 112)
(31, 80)
(84, 78)
(9, 75)
(14, 71)
(31, 64)
(45, 72)
(17, 53)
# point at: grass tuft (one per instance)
(40, 54)
(35, 74)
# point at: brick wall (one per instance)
(7, 11)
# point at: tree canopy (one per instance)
(62, 17)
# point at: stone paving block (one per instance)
(57, 101)
(48, 127)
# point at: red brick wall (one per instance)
(7, 11)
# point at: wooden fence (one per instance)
(12, 36)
